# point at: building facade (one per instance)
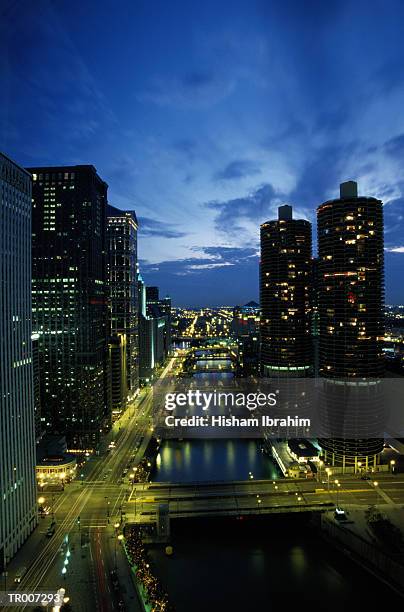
(245, 328)
(153, 332)
(156, 308)
(17, 419)
(122, 229)
(70, 300)
(285, 273)
(351, 305)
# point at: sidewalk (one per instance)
(128, 590)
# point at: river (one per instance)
(248, 564)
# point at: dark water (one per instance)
(274, 563)
(196, 460)
(256, 564)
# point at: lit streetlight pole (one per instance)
(329, 473)
(337, 484)
(376, 484)
(41, 501)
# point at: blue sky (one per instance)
(205, 116)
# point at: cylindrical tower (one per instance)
(350, 245)
(286, 348)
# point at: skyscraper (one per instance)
(69, 300)
(351, 295)
(158, 307)
(152, 294)
(153, 333)
(122, 229)
(286, 348)
(17, 421)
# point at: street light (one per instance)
(41, 501)
(338, 484)
(376, 484)
(329, 473)
(320, 465)
(119, 538)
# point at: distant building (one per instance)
(285, 274)
(245, 327)
(152, 294)
(302, 450)
(153, 331)
(54, 464)
(246, 319)
(122, 229)
(70, 300)
(351, 295)
(156, 308)
(17, 417)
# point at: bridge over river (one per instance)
(227, 499)
(199, 499)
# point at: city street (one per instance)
(85, 514)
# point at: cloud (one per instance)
(228, 253)
(237, 169)
(395, 146)
(152, 227)
(205, 259)
(399, 249)
(232, 216)
(210, 266)
(212, 277)
(194, 90)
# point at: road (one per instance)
(85, 513)
(261, 496)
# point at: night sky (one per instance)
(206, 116)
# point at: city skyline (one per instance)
(220, 123)
(202, 334)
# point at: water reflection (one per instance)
(198, 460)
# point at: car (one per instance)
(340, 514)
(365, 477)
(20, 574)
(50, 531)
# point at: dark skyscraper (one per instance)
(156, 308)
(286, 348)
(69, 300)
(152, 294)
(122, 229)
(17, 420)
(350, 244)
